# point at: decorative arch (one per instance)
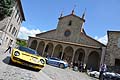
(79, 56)
(68, 54)
(48, 49)
(58, 51)
(33, 44)
(41, 47)
(93, 60)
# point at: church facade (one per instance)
(69, 42)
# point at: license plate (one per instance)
(27, 65)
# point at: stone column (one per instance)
(29, 42)
(71, 64)
(86, 56)
(44, 49)
(85, 59)
(53, 51)
(103, 55)
(62, 53)
(73, 56)
(37, 45)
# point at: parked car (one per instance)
(111, 75)
(106, 75)
(93, 74)
(56, 62)
(27, 57)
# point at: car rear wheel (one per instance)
(61, 65)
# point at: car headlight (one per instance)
(35, 60)
(16, 53)
(42, 61)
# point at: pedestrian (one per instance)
(103, 68)
(75, 67)
(81, 67)
(84, 67)
(9, 48)
(47, 55)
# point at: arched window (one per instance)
(70, 23)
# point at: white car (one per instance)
(106, 75)
(93, 74)
(111, 75)
(56, 62)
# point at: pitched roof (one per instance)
(45, 32)
(72, 15)
(21, 9)
(94, 39)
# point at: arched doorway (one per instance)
(68, 54)
(93, 60)
(48, 49)
(33, 44)
(79, 56)
(58, 51)
(40, 48)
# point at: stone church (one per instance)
(69, 42)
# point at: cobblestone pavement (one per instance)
(12, 72)
(65, 74)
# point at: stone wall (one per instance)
(113, 48)
(49, 34)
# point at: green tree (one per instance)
(21, 43)
(6, 7)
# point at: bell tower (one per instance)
(70, 27)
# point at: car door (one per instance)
(53, 61)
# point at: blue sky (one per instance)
(42, 15)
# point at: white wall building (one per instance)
(10, 26)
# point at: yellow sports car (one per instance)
(27, 57)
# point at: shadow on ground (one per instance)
(6, 61)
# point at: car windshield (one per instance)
(28, 50)
(54, 58)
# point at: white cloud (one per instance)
(24, 33)
(102, 39)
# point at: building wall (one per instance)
(74, 46)
(86, 40)
(113, 48)
(11, 27)
(69, 52)
(74, 28)
(48, 35)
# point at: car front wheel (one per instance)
(61, 65)
(10, 61)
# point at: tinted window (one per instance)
(28, 50)
(55, 58)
